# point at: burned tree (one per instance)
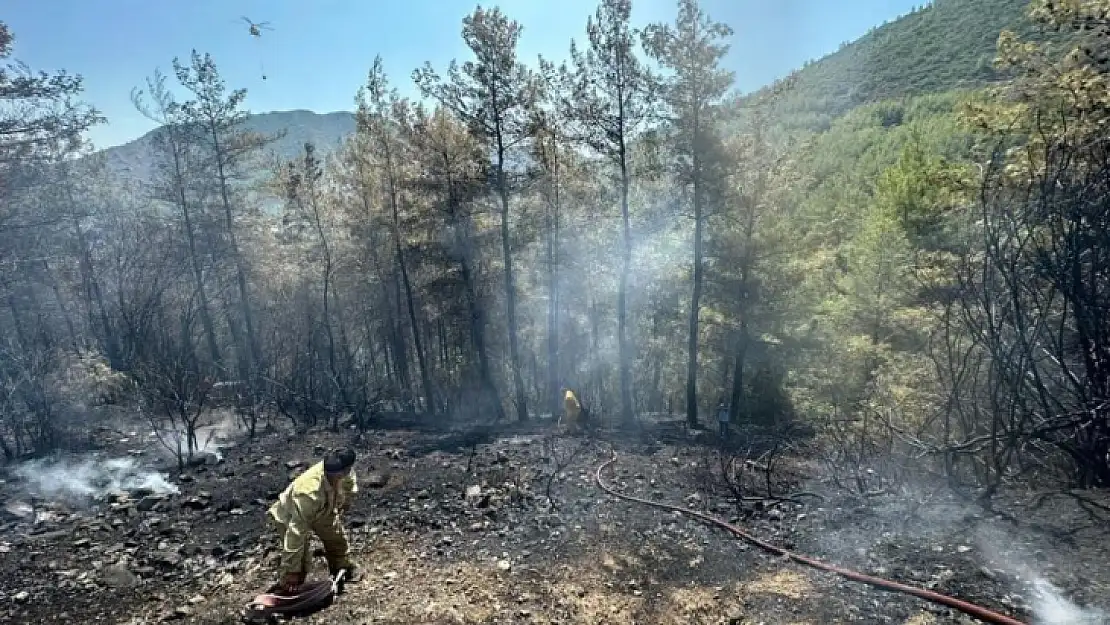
(1034, 285)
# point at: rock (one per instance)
(194, 503)
(205, 459)
(195, 599)
(118, 576)
(377, 480)
(473, 492)
(293, 464)
(116, 497)
(140, 492)
(81, 543)
(504, 565)
(165, 559)
(146, 504)
(22, 596)
(179, 613)
(230, 505)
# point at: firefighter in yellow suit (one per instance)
(313, 504)
(573, 414)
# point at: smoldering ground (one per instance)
(81, 478)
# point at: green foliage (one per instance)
(42, 116)
(877, 197)
(944, 46)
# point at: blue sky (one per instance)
(319, 51)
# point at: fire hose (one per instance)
(971, 609)
(273, 602)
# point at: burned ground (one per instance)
(456, 527)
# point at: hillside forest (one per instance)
(916, 278)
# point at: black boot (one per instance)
(352, 571)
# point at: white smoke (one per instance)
(90, 477)
(1051, 607)
(211, 438)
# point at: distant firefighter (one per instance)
(573, 410)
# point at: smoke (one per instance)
(858, 538)
(1050, 606)
(90, 478)
(210, 438)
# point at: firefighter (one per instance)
(313, 504)
(573, 410)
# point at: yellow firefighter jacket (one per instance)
(573, 408)
(311, 505)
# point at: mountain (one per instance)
(948, 44)
(134, 160)
(945, 45)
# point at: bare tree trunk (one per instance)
(425, 378)
(111, 343)
(478, 336)
(554, 209)
(510, 285)
(736, 400)
(198, 275)
(595, 350)
(329, 331)
(395, 223)
(61, 304)
(250, 351)
(625, 353)
(695, 309)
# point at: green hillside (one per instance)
(946, 45)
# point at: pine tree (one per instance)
(610, 98)
(493, 95)
(692, 50)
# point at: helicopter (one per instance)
(255, 29)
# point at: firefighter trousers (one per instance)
(332, 535)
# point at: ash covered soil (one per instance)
(457, 527)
